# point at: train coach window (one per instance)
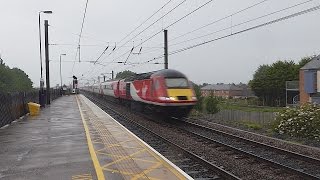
(177, 83)
(157, 84)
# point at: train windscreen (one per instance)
(177, 83)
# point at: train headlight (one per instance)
(164, 98)
(194, 98)
(167, 98)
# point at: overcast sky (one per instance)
(228, 60)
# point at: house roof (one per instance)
(313, 64)
(222, 87)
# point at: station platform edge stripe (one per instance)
(96, 164)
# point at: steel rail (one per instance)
(288, 168)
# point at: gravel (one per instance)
(288, 159)
(302, 149)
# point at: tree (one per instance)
(14, 80)
(125, 74)
(304, 61)
(211, 104)
(269, 81)
(204, 84)
(199, 105)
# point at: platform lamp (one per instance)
(41, 95)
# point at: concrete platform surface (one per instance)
(119, 153)
(74, 139)
(52, 145)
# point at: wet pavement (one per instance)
(52, 145)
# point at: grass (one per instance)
(251, 125)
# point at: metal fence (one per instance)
(237, 115)
(14, 105)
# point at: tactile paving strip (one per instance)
(120, 154)
(82, 177)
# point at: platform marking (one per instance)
(125, 159)
(94, 157)
(156, 165)
(82, 177)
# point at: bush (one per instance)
(211, 104)
(299, 122)
(252, 125)
(199, 106)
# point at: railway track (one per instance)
(305, 166)
(209, 154)
(194, 165)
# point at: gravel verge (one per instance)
(302, 149)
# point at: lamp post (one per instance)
(60, 69)
(40, 46)
(41, 96)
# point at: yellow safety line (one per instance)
(151, 178)
(145, 172)
(94, 157)
(165, 163)
(119, 172)
(124, 158)
(144, 160)
(102, 153)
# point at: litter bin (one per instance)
(34, 108)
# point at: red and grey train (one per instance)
(167, 91)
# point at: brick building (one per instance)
(309, 81)
(226, 90)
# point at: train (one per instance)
(166, 91)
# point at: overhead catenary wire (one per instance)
(140, 33)
(170, 11)
(85, 37)
(104, 51)
(242, 31)
(238, 32)
(82, 24)
(219, 20)
(180, 19)
(81, 30)
(145, 21)
(137, 28)
(175, 22)
(242, 23)
(119, 65)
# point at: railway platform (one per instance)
(74, 139)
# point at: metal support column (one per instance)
(166, 49)
(46, 25)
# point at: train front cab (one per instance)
(173, 90)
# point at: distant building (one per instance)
(309, 81)
(227, 90)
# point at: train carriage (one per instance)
(166, 91)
